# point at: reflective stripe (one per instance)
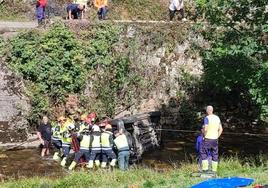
(95, 149)
(84, 148)
(106, 148)
(66, 145)
(55, 138)
(105, 139)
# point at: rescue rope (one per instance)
(224, 133)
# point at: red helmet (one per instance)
(92, 116)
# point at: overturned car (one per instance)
(144, 130)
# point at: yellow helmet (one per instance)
(83, 117)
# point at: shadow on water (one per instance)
(174, 151)
(181, 148)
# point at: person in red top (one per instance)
(40, 11)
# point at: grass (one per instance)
(118, 9)
(146, 178)
(16, 10)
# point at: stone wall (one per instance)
(14, 107)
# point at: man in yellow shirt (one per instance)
(102, 6)
(212, 131)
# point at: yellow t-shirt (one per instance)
(213, 123)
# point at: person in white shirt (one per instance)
(176, 6)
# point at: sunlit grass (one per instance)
(140, 177)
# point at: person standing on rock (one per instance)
(40, 11)
(212, 131)
(44, 134)
(176, 6)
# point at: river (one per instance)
(27, 163)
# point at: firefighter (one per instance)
(107, 146)
(82, 125)
(56, 137)
(121, 143)
(66, 139)
(95, 147)
(84, 138)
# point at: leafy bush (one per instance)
(56, 63)
(53, 61)
(238, 57)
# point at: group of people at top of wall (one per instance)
(77, 9)
(92, 143)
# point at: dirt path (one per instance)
(8, 25)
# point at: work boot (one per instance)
(97, 163)
(90, 164)
(56, 156)
(214, 166)
(204, 165)
(72, 166)
(112, 163)
(63, 162)
(103, 165)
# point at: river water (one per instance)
(28, 163)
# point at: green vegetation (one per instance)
(237, 60)
(58, 63)
(16, 10)
(146, 178)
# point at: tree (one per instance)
(238, 56)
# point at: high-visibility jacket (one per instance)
(82, 127)
(121, 142)
(85, 142)
(56, 127)
(106, 140)
(213, 124)
(100, 3)
(95, 141)
(66, 139)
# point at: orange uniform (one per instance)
(100, 3)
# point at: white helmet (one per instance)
(96, 128)
(71, 126)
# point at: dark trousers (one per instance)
(209, 147)
(107, 154)
(95, 155)
(40, 13)
(57, 144)
(102, 13)
(66, 150)
(81, 153)
(173, 12)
